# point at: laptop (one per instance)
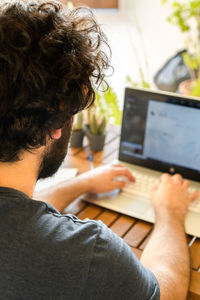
(160, 133)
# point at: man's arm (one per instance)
(99, 180)
(166, 254)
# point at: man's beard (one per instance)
(55, 153)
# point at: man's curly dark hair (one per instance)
(49, 57)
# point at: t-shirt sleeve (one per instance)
(116, 273)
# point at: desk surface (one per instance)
(135, 233)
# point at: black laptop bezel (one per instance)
(149, 163)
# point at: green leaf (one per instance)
(191, 61)
(93, 125)
(113, 106)
(102, 126)
(106, 104)
(78, 121)
(196, 91)
(176, 5)
(145, 84)
(141, 84)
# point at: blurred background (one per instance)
(140, 36)
(155, 44)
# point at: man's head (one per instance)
(49, 56)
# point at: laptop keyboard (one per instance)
(144, 185)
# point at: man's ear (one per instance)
(56, 133)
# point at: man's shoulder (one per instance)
(70, 224)
(88, 260)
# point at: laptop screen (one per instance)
(161, 131)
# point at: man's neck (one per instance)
(20, 175)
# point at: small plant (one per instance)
(97, 125)
(96, 132)
(106, 104)
(78, 121)
(104, 110)
(78, 131)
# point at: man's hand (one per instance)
(102, 179)
(166, 253)
(171, 196)
(99, 180)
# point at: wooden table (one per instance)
(135, 233)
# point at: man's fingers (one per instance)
(177, 178)
(119, 184)
(123, 172)
(186, 184)
(165, 177)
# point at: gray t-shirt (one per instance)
(46, 255)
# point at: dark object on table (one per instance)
(96, 141)
(77, 138)
(172, 73)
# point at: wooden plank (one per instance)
(192, 296)
(190, 239)
(108, 217)
(91, 212)
(137, 252)
(137, 233)
(89, 3)
(106, 4)
(195, 254)
(74, 151)
(75, 207)
(122, 225)
(84, 153)
(94, 3)
(194, 290)
(145, 242)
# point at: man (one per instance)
(50, 58)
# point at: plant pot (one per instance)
(96, 141)
(77, 138)
(187, 86)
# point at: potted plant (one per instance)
(186, 15)
(104, 110)
(77, 131)
(96, 133)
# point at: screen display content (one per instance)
(162, 131)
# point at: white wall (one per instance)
(161, 39)
(149, 49)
